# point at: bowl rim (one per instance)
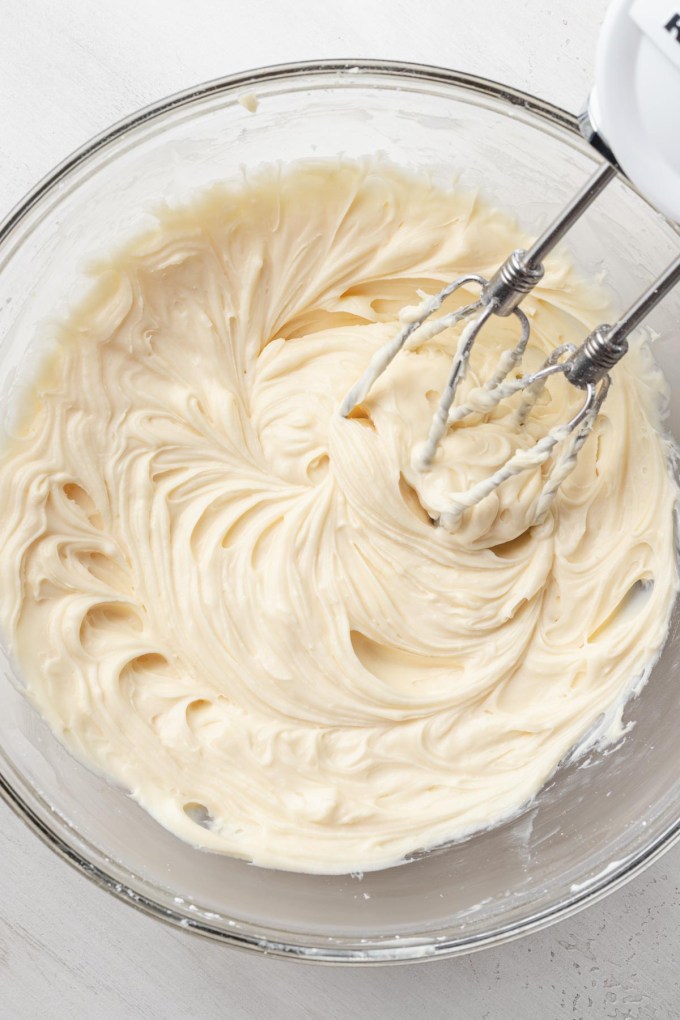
(340, 949)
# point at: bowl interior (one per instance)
(596, 818)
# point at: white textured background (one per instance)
(67, 950)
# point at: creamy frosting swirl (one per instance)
(234, 601)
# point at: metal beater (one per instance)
(587, 366)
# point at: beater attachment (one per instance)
(586, 367)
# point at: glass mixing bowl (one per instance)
(598, 821)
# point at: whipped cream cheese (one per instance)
(234, 601)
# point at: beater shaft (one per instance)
(606, 345)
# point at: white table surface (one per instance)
(67, 950)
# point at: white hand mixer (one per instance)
(632, 120)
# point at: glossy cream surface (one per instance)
(234, 602)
